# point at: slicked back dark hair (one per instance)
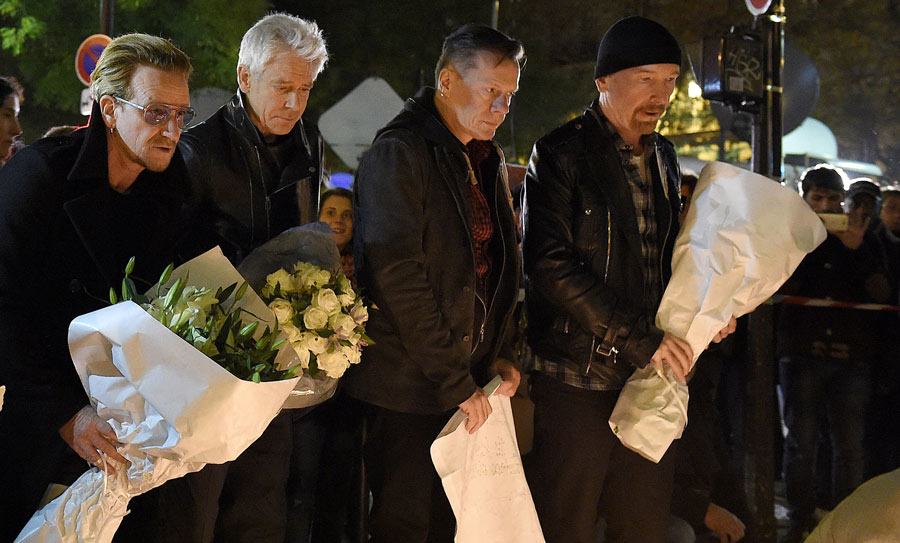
(461, 48)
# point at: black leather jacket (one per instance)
(243, 197)
(414, 259)
(585, 293)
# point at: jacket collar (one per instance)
(238, 116)
(421, 116)
(88, 165)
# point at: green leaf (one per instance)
(255, 377)
(129, 267)
(241, 291)
(164, 277)
(113, 300)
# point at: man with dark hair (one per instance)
(74, 210)
(435, 249)
(825, 353)
(600, 219)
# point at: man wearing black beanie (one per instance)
(600, 219)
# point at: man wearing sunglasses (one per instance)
(73, 210)
(255, 169)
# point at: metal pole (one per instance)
(106, 17)
(760, 412)
(495, 13)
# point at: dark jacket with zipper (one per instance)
(585, 291)
(243, 196)
(415, 263)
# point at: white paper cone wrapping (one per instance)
(742, 238)
(484, 481)
(173, 407)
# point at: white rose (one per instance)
(314, 318)
(302, 355)
(327, 301)
(347, 299)
(281, 277)
(321, 277)
(282, 309)
(360, 313)
(293, 334)
(333, 363)
(343, 325)
(354, 355)
(314, 343)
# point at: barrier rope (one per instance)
(823, 302)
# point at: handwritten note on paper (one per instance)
(483, 478)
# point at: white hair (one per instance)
(277, 30)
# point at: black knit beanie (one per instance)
(635, 41)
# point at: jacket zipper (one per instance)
(594, 346)
(663, 178)
(265, 192)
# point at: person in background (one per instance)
(10, 129)
(61, 130)
(74, 210)
(255, 168)
(436, 254)
(337, 211)
(890, 210)
(825, 354)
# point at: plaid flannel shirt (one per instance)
(640, 178)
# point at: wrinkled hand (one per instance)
(675, 353)
(728, 527)
(858, 224)
(510, 375)
(727, 331)
(89, 436)
(477, 407)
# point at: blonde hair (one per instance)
(114, 70)
(282, 30)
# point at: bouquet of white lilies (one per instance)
(180, 376)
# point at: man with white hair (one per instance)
(255, 164)
(255, 170)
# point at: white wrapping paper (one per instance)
(174, 408)
(483, 477)
(742, 238)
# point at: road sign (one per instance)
(87, 55)
(350, 125)
(758, 7)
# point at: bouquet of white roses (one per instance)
(164, 376)
(321, 315)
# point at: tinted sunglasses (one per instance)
(156, 114)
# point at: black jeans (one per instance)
(579, 470)
(243, 501)
(409, 503)
(839, 389)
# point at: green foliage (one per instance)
(42, 36)
(212, 323)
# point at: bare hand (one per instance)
(728, 527)
(89, 436)
(477, 407)
(675, 353)
(856, 230)
(727, 331)
(510, 375)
